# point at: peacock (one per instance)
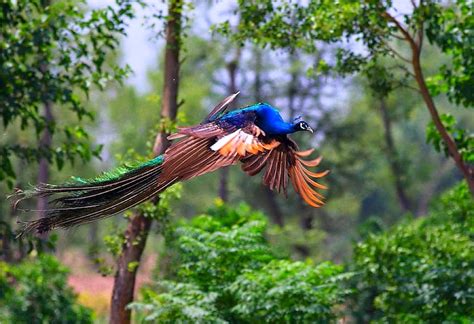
(256, 136)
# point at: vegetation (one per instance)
(387, 87)
(36, 291)
(420, 271)
(52, 53)
(226, 272)
(293, 25)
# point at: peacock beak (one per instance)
(309, 129)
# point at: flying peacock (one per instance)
(256, 136)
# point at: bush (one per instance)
(36, 291)
(226, 272)
(423, 270)
(290, 292)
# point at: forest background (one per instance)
(387, 87)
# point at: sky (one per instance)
(140, 47)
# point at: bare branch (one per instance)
(404, 69)
(397, 37)
(406, 86)
(392, 50)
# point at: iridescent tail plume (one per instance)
(86, 200)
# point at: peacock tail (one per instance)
(81, 201)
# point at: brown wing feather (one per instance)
(202, 131)
(285, 162)
(207, 128)
(221, 106)
(192, 157)
(249, 140)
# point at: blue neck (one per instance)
(278, 128)
(269, 119)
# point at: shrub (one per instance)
(226, 272)
(179, 302)
(36, 291)
(423, 270)
(290, 292)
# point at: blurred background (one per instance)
(82, 89)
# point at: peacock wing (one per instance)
(283, 163)
(221, 107)
(208, 147)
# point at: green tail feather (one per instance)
(85, 200)
(117, 173)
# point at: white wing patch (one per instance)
(241, 143)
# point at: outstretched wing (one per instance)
(215, 144)
(285, 162)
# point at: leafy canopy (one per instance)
(54, 54)
(366, 33)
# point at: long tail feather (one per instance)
(83, 201)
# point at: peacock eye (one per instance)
(302, 126)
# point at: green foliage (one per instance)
(464, 140)
(36, 291)
(293, 25)
(226, 272)
(289, 292)
(448, 27)
(420, 271)
(211, 246)
(457, 206)
(183, 302)
(161, 211)
(54, 54)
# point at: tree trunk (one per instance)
(232, 88)
(274, 210)
(45, 141)
(466, 170)
(429, 189)
(43, 168)
(139, 225)
(393, 159)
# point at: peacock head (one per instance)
(300, 125)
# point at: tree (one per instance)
(293, 25)
(34, 36)
(139, 224)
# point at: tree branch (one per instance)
(392, 50)
(404, 32)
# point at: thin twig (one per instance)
(404, 69)
(391, 49)
(409, 87)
